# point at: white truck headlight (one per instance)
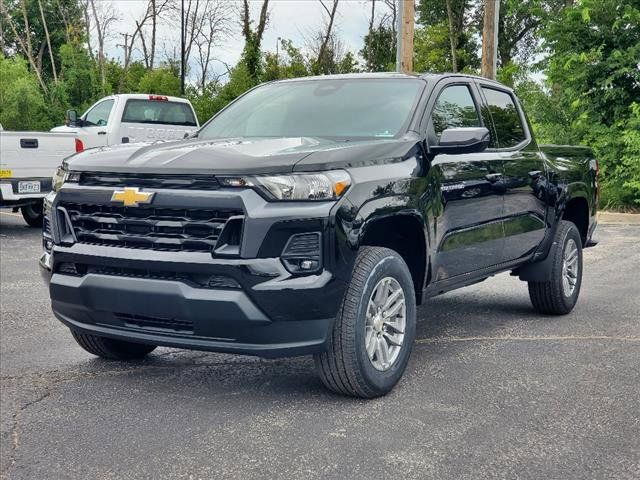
(296, 186)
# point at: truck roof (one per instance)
(390, 75)
(146, 96)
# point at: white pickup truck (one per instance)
(131, 118)
(29, 159)
(27, 163)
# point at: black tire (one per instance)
(551, 297)
(111, 349)
(33, 214)
(345, 367)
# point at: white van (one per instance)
(129, 118)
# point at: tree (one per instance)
(103, 15)
(323, 61)
(22, 104)
(253, 39)
(379, 50)
(594, 47)
(161, 81)
(458, 17)
(207, 22)
(37, 29)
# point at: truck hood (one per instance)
(239, 156)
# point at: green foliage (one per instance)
(629, 168)
(434, 50)
(289, 63)
(22, 104)
(379, 50)
(594, 78)
(79, 75)
(56, 12)
(431, 49)
(160, 81)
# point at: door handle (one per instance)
(28, 143)
(493, 177)
(102, 133)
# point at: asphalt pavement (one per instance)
(493, 390)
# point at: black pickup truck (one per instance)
(313, 216)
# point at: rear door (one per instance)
(468, 230)
(156, 118)
(524, 179)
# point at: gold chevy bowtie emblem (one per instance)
(132, 197)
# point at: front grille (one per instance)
(172, 229)
(162, 323)
(172, 182)
(196, 280)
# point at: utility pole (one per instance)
(404, 42)
(490, 39)
(182, 62)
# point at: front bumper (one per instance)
(150, 296)
(271, 314)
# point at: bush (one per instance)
(22, 104)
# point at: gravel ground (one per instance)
(492, 390)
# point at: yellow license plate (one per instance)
(6, 174)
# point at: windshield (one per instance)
(340, 109)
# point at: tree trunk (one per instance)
(25, 43)
(154, 24)
(46, 33)
(373, 15)
(100, 32)
(453, 37)
(87, 22)
(327, 36)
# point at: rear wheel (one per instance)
(559, 294)
(33, 214)
(374, 331)
(110, 348)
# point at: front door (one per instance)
(93, 132)
(467, 230)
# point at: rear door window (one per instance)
(99, 114)
(506, 118)
(158, 112)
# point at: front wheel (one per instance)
(110, 348)
(374, 330)
(33, 214)
(559, 294)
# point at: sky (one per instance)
(288, 19)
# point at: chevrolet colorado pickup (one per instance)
(312, 216)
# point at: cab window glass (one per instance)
(99, 115)
(453, 109)
(506, 119)
(158, 111)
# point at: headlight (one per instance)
(297, 186)
(63, 175)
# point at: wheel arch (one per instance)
(403, 232)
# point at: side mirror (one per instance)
(462, 140)
(71, 118)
